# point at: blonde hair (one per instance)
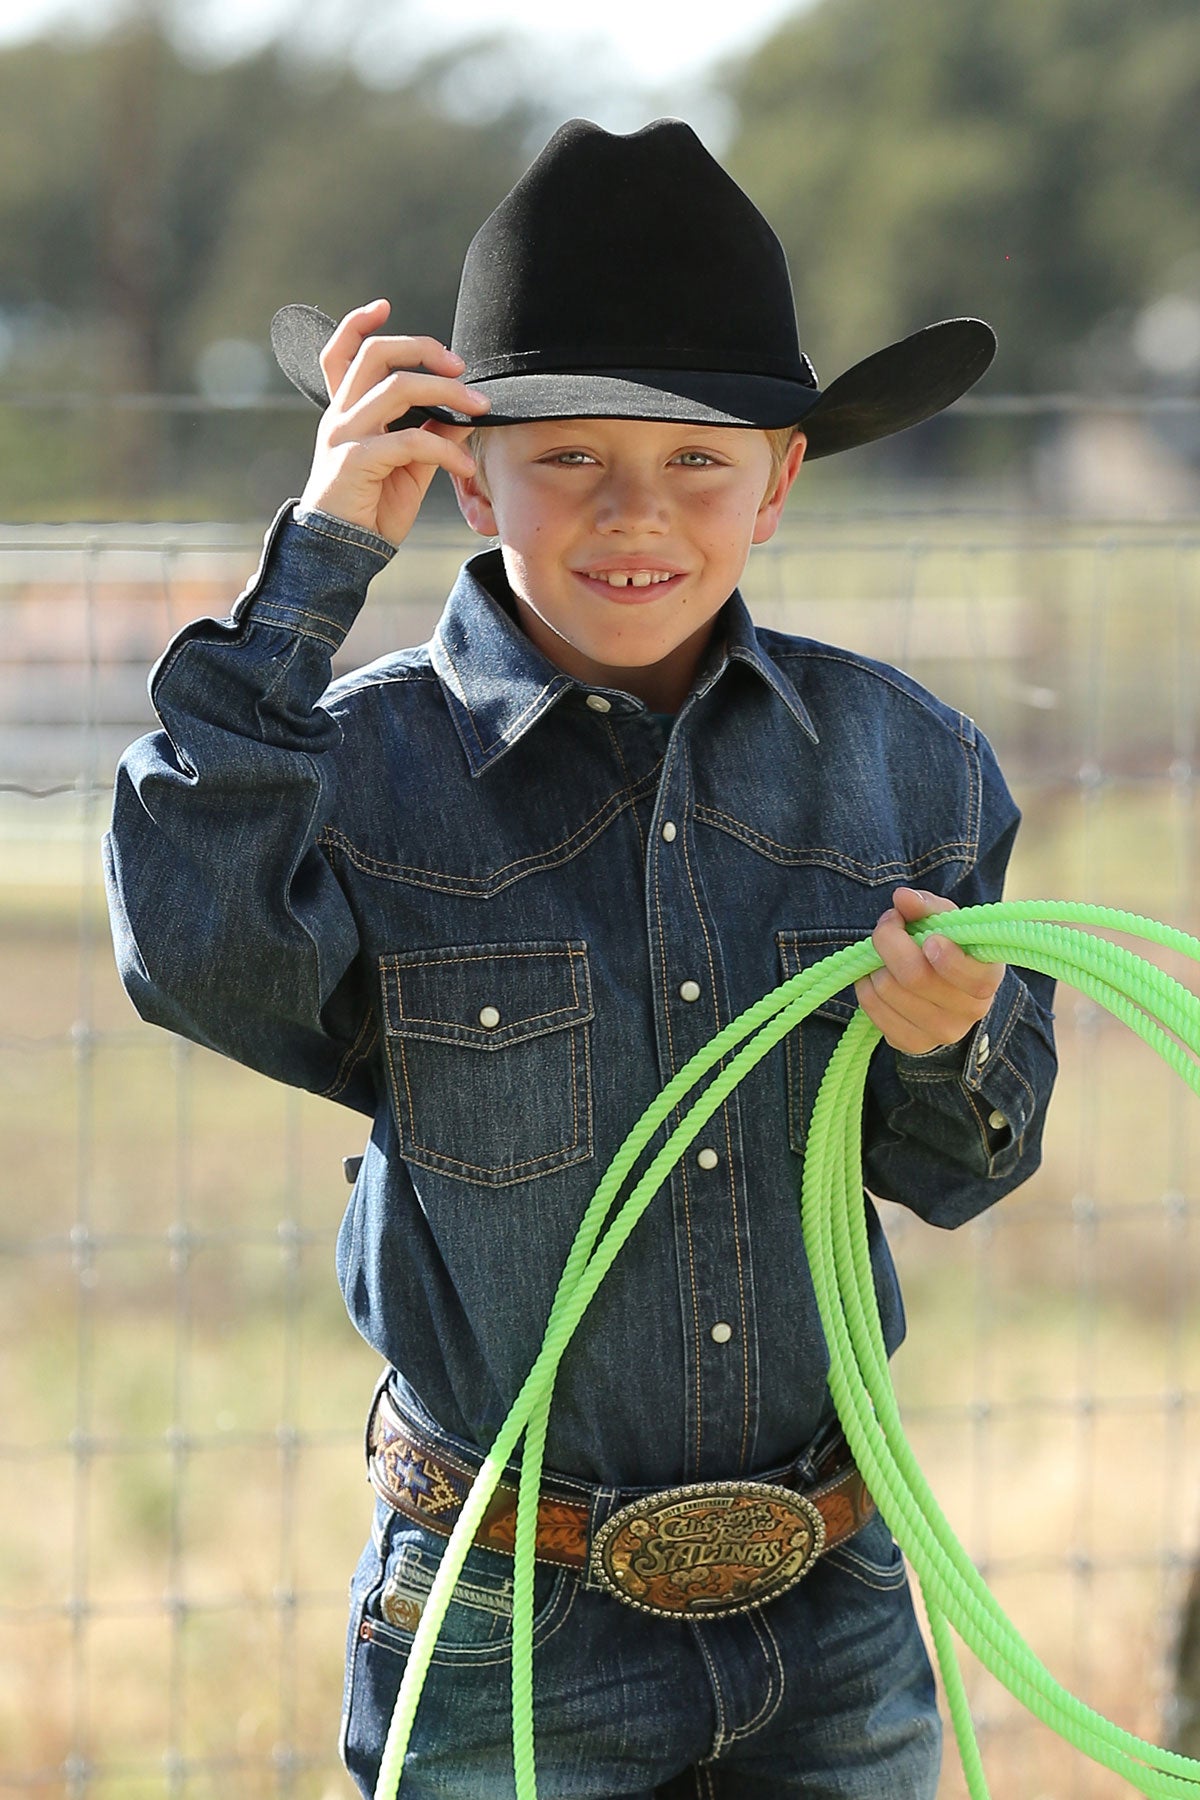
(779, 442)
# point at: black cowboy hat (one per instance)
(630, 277)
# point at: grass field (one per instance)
(181, 1496)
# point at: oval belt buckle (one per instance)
(708, 1549)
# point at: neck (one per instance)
(663, 686)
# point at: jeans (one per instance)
(825, 1692)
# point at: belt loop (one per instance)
(376, 1396)
(604, 1504)
(826, 1451)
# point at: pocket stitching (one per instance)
(579, 1149)
(563, 1157)
(400, 1024)
(866, 1569)
(552, 1617)
(788, 944)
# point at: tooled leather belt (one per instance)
(708, 1548)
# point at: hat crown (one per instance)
(627, 252)
(629, 277)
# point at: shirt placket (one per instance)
(707, 1188)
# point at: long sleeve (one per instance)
(229, 923)
(949, 1133)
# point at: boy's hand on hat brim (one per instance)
(361, 471)
(926, 995)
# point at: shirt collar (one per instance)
(498, 684)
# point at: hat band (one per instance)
(645, 357)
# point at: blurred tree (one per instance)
(1037, 165)
(155, 211)
(148, 204)
(49, 127)
(131, 242)
(356, 194)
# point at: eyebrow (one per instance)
(685, 438)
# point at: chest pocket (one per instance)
(488, 1052)
(810, 1046)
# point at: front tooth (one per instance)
(643, 579)
(618, 581)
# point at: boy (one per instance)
(495, 891)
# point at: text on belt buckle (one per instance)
(716, 1547)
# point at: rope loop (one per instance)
(1055, 937)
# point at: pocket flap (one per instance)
(804, 949)
(486, 996)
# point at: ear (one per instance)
(771, 510)
(474, 503)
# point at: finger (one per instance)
(956, 966)
(399, 449)
(913, 1037)
(938, 1023)
(458, 434)
(377, 357)
(904, 1000)
(392, 397)
(347, 340)
(900, 954)
(912, 981)
(380, 482)
(915, 903)
(922, 992)
(355, 341)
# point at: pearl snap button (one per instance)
(489, 1017)
(997, 1121)
(668, 832)
(721, 1332)
(983, 1049)
(708, 1159)
(598, 703)
(689, 990)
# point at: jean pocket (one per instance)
(488, 1052)
(810, 1045)
(388, 1596)
(872, 1556)
(396, 1574)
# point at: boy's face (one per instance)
(622, 539)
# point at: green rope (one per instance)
(1041, 935)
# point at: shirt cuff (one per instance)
(312, 578)
(329, 525)
(1002, 1099)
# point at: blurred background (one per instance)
(181, 1395)
(171, 173)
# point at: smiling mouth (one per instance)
(630, 577)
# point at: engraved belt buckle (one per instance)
(708, 1549)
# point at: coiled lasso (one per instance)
(1034, 934)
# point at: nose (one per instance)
(630, 502)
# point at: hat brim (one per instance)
(897, 387)
(901, 385)
(675, 396)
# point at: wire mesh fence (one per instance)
(181, 1489)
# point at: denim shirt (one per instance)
(496, 909)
